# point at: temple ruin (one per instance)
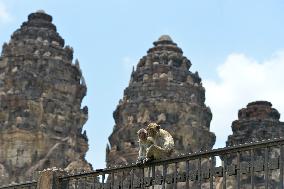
(41, 91)
(162, 90)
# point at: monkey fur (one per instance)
(163, 143)
(144, 144)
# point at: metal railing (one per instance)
(26, 185)
(251, 165)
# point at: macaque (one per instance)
(144, 143)
(163, 143)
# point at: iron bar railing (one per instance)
(250, 165)
(240, 166)
(26, 185)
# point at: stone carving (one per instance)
(162, 90)
(41, 118)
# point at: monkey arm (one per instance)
(150, 141)
(142, 151)
(156, 152)
(169, 143)
(168, 140)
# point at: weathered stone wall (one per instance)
(163, 90)
(41, 92)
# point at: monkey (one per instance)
(163, 143)
(144, 143)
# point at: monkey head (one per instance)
(142, 134)
(153, 129)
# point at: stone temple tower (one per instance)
(258, 121)
(163, 90)
(41, 91)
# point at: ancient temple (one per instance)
(163, 90)
(258, 121)
(41, 91)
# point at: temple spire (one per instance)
(40, 111)
(162, 90)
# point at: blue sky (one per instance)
(236, 46)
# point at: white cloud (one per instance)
(4, 15)
(243, 80)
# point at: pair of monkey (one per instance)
(154, 143)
